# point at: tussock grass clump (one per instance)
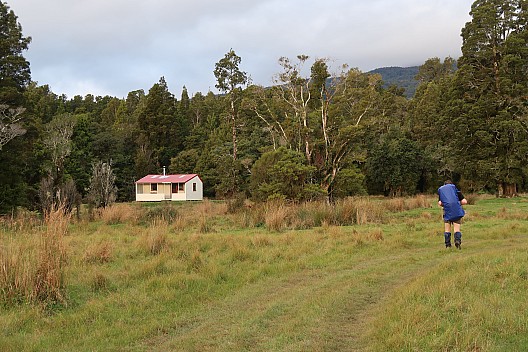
(155, 239)
(276, 216)
(179, 223)
(360, 211)
(195, 262)
(347, 211)
(279, 216)
(166, 212)
(508, 214)
(206, 207)
(472, 198)
(32, 270)
(118, 213)
(402, 204)
(21, 220)
(205, 225)
(100, 253)
(250, 217)
(235, 204)
(157, 243)
(49, 280)
(100, 282)
(426, 215)
(312, 214)
(261, 241)
(203, 216)
(375, 235)
(360, 238)
(419, 201)
(17, 272)
(240, 253)
(395, 205)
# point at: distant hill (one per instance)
(402, 77)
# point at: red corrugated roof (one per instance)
(167, 178)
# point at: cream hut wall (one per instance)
(156, 188)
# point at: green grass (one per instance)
(234, 284)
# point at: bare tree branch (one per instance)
(9, 126)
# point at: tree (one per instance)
(9, 126)
(229, 80)
(492, 83)
(185, 162)
(292, 89)
(395, 165)
(58, 142)
(329, 117)
(283, 174)
(349, 182)
(103, 191)
(260, 101)
(15, 73)
(431, 120)
(56, 190)
(161, 124)
(433, 69)
(346, 103)
(79, 161)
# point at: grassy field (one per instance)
(368, 274)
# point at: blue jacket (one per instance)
(450, 197)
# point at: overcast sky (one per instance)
(116, 46)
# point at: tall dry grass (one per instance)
(361, 211)
(279, 216)
(32, 267)
(118, 213)
(98, 253)
(17, 264)
(408, 203)
(49, 280)
(154, 239)
(276, 215)
(21, 220)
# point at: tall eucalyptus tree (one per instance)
(230, 79)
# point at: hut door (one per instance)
(167, 191)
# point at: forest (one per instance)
(320, 132)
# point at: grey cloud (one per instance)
(113, 47)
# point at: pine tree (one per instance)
(493, 89)
(161, 124)
(16, 163)
(15, 73)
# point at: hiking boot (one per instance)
(447, 238)
(458, 244)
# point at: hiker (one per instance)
(451, 199)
